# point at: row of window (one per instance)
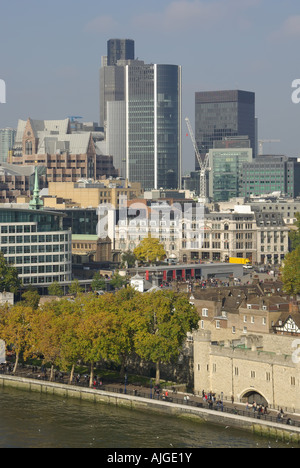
(46, 279)
(41, 269)
(253, 373)
(27, 249)
(35, 259)
(28, 239)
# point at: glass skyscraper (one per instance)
(226, 172)
(220, 114)
(143, 131)
(271, 173)
(153, 131)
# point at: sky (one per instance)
(50, 56)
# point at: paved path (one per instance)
(174, 396)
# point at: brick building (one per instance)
(67, 156)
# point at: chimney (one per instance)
(293, 307)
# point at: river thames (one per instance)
(34, 420)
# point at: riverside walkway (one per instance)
(168, 396)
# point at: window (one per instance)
(253, 374)
(218, 324)
(293, 381)
(204, 312)
(28, 147)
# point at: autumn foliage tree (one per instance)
(111, 328)
(291, 266)
(165, 320)
(150, 250)
(291, 272)
(16, 329)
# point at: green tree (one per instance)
(31, 298)
(150, 250)
(68, 315)
(96, 331)
(98, 282)
(55, 289)
(295, 233)
(46, 335)
(291, 272)
(128, 258)
(164, 320)
(127, 307)
(75, 288)
(9, 279)
(117, 281)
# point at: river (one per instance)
(34, 420)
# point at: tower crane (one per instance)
(203, 164)
(261, 143)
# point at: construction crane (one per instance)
(261, 145)
(203, 164)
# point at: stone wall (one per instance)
(241, 371)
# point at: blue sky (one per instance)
(51, 53)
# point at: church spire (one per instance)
(36, 203)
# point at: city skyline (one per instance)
(51, 57)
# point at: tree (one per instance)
(31, 298)
(75, 288)
(96, 331)
(46, 335)
(68, 315)
(127, 307)
(164, 320)
(55, 289)
(128, 258)
(295, 233)
(150, 250)
(15, 328)
(98, 282)
(118, 281)
(9, 279)
(291, 272)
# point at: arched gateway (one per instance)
(252, 396)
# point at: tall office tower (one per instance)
(141, 115)
(153, 129)
(220, 114)
(112, 74)
(7, 139)
(119, 49)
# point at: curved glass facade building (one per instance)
(36, 243)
